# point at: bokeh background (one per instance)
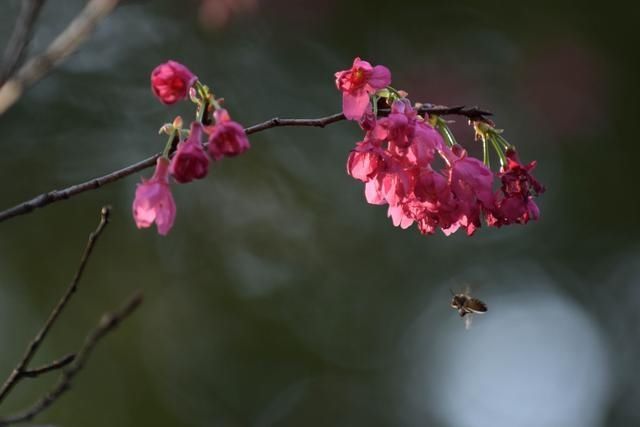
(281, 298)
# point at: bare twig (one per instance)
(65, 44)
(20, 370)
(107, 324)
(47, 198)
(56, 364)
(19, 41)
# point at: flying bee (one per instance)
(467, 305)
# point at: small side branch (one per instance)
(19, 41)
(107, 324)
(19, 372)
(52, 196)
(56, 364)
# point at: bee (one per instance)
(467, 305)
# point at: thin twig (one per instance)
(19, 371)
(52, 196)
(56, 364)
(64, 45)
(19, 41)
(108, 323)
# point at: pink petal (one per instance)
(398, 217)
(372, 193)
(355, 105)
(380, 77)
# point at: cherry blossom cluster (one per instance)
(185, 157)
(398, 157)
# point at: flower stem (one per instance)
(485, 153)
(170, 142)
(504, 142)
(498, 148)
(202, 108)
(447, 135)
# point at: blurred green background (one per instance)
(281, 298)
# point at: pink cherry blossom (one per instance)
(470, 179)
(171, 82)
(227, 137)
(365, 161)
(154, 202)
(515, 203)
(190, 161)
(398, 127)
(357, 84)
(516, 177)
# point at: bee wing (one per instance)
(476, 306)
(467, 322)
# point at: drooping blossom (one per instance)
(357, 84)
(515, 202)
(154, 202)
(227, 137)
(471, 182)
(171, 82)
(190, 160)
(516, 177)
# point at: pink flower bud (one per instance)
(227, 137)
(154, 202)
(190, 161)
(171, 82)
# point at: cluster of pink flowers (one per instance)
(396, 161)
(172, 82)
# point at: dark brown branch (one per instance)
(57, 195)
(19, 41)
(45, 199)
(19, 371)
(277, 122)
(107, 324)
(471, 113)
(56, 364)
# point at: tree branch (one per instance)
(65, 44)
(52, 196)
(22, 32)
(20, 371)
(108, 323)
